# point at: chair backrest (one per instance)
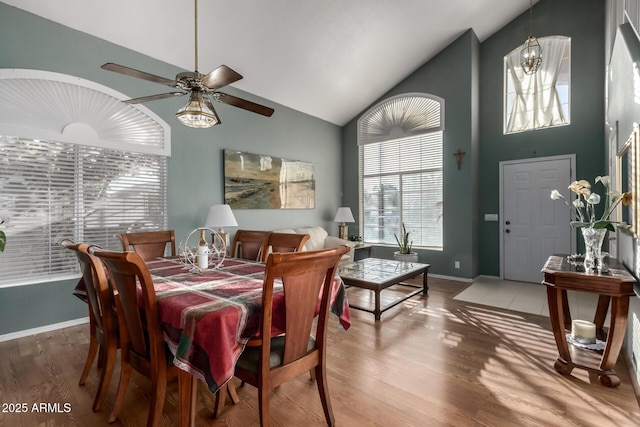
(285, 242)
(98, 292)
(303, 275)
(149, 244)
(250, 244)
(142, 334)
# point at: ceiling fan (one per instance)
(201, 88)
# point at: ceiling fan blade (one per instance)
(154, 97)
(243, 103)
(139, 74)
(220, 77)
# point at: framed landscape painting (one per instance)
(256, 181)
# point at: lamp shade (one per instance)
(198, 113)
(220, 216)
(344, 215)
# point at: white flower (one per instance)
(555, 195)
(583, 205)
(593, 199)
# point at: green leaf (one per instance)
(603, 224)
(406, 245)
(3, 240)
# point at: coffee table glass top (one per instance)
(375, 270)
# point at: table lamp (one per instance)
(344, 215)
(221, 216)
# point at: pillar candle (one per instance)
(583, 331)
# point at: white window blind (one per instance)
(401, 182)
(53, 190)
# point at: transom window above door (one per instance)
(542, 99)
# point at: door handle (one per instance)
(507, 231)
(508, 222)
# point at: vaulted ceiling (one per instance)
(330, 59)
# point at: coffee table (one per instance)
(377, 274)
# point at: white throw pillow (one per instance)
(316, 237)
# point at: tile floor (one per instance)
(525, 297)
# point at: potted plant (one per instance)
(405, 246)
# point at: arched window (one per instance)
(75, 162)
(400, 164)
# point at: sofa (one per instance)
(320, 239)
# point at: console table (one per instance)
(613, 287)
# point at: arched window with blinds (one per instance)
(400, 164)
(75, 162)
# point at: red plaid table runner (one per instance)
(208, 317)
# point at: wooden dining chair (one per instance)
(149, 244)
(250, 244)
(267, 363)
(102, 319)
(285, 242)
(142, 344)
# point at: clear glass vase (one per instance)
(593, 239)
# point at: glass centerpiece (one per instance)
(594, 227)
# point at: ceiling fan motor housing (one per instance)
(190, 80)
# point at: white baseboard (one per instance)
(454, 278)
(484, 276)
(42, 329)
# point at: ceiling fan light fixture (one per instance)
(198, 113)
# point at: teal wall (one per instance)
(583, 21)
(195, 167)
(452, 75)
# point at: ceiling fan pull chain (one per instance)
(196, 31)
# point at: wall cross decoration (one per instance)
(459, 155)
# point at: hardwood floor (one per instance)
(431, 361)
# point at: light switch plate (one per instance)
(490, 217)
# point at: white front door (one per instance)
(533, 226)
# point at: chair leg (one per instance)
(125, 376)
(93, 349)
(91, 356)
(105, 377)
(158, 392)
(221, 396)
(323, 389)
(233, 395)
(263, 404)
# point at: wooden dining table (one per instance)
(208, 316)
